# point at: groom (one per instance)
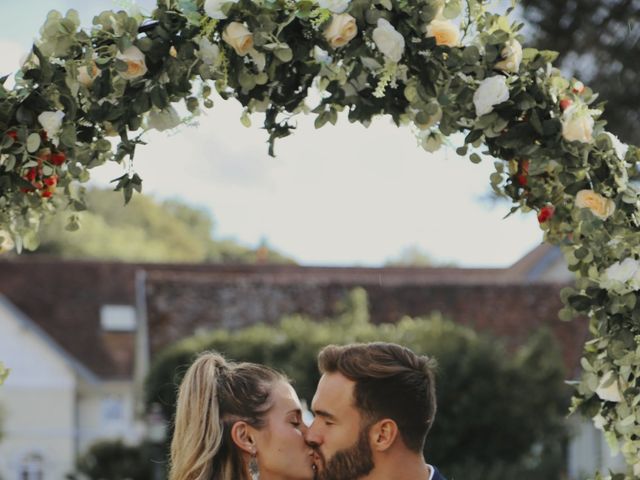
(373, 408)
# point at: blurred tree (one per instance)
(598, 41)
(145, 230)
(411, 256)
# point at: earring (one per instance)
(254, 471)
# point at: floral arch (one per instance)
(439, 66)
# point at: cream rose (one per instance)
(608, 388)
(600, 206)
(135, 60)
(335, 6)
(388, 40)
(491, 92)
(511, 57)
(238, 36)
(213, 8)
(577, 125)
(444, 31)
(341, 30)
(163, 120)
(51, 122)
(84, 77)
(6, 244)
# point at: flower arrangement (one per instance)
(438, 66)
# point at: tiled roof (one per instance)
(64, 298)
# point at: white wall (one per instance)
(38, 400)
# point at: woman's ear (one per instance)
(383, 434)
(242, 436)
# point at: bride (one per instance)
(238, 421)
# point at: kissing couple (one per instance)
(373, 408)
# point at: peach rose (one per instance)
(341, 30)
(600, 206)
(239, 37)
(445, 32)
(136, 66)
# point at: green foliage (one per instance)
(598, 40)
(144, 230)
(113, 460)
(500, 414)
(4, 373)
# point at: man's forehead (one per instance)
(335, 391)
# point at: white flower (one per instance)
(208, 51)
(51, 122)
(619, 147)
(619, 273)
(444, 31)
(163, 120)
(213, 8)
(599, 422)
(321, 56)
(388, 40)
(135, 60)
(335, 6)
(601, 207)
(608, 388)
(239, 37)
(577, 125)
(511, 57)
(341, 30)
(6, 244)
(491, 92)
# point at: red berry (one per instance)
(31, 174)
(521, 179)
(58, 158)
(47, 194)
(546, 213)
(565, 103)
(51, 181)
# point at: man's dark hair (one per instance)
(390, 382)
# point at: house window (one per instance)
(112, 409)
(31, 467)
(118, 318)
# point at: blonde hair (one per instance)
(213, 395)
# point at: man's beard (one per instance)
(350, 463)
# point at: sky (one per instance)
(340, 195)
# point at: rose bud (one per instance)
(565, 103)
(546, 213)
(58, 158)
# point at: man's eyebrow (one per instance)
(324, 414)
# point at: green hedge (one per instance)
(501, 414)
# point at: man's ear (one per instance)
(242, 436)
(383, 434)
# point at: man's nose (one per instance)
(311, 436)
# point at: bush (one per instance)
(113, 460)
(500, 414)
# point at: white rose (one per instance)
(445, 32)
(336, 6)
(341, 30)
(135, 60)
(511, 57)
(619, 274)
(239, 37)
(213, 8)
(321, 56)
(619, 147)
(51, 122)
(163, 120)
(608, 388)
(208, 51)
(388, 40)
(491, 92)
(577, 125)
(6, 244)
